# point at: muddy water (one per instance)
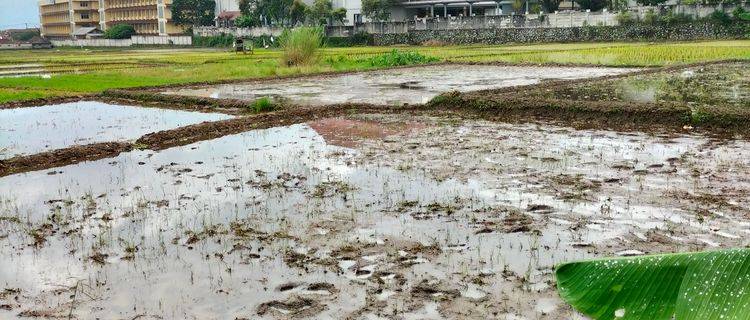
(38, 129)
(389, 87)
(414, 217)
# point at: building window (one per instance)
(84, 4)
(84, 16)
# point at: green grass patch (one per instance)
(10, 94)
(399, 58)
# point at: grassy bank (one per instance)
(93, 71)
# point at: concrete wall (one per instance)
(697, 11)
(638, 32)
(15, 46)
(580, 19)
(134, 41)
(238, 32)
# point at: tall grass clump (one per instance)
(263, 104)
(300, 45)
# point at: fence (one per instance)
(696, 11)
(15, 46)
(134, 41)
(238, 32)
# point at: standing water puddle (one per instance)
(26, 131)
(445, 219)
(396, 86)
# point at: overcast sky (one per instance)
(14, 13)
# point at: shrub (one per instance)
(738, 12)
(222, 41)
(263, 105)
(300, 45)
(398, 58)
(25, 35)
(720, 17)
(120, 31)
(626, 17)
(650, 17)
(244, 21)
(671, 17)
(593, 5)
(358, 39)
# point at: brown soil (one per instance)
(43, 101)
(62, 157)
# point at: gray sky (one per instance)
(14, 13)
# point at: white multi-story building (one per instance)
(227, 5)
(405, 10)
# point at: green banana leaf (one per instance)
(684, 286)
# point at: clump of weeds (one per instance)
(264, 104)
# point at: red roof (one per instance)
(230, 15)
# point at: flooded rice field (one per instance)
(26, 131)
(395, 86)
(360, 217)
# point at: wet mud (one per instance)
(360, 216)
(361, 211)
(415, 85)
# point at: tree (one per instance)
(24, 35)
(246, 8)
(320, 11)
(339, 15)
(193, 12)
(617, 5)
(593, 5)
(378, 10)
(119, 31)
(550, 5)
(297, 12)
(275, 11)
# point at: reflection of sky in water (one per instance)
(228, 163)
(37, 129)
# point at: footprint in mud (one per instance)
(514, 221)
(317, 288)
(304, 300)
(434, 291)
(294, 307)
